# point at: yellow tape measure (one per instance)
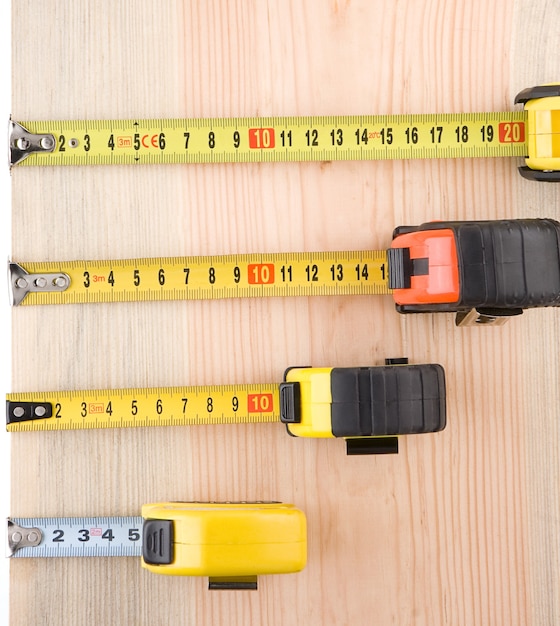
(190, 278)
(232, 542)
(367, 406)
(236, 140)
(126, 408)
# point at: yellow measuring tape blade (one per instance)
(124, 408)
(317, 138)
(197, 278)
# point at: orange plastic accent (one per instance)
(441, 284)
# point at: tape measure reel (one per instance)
(367, 406)
(232, 543)
(485, 271)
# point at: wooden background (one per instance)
(462, 527)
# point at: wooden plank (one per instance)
(534, 61)
(461, 527)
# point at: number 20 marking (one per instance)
(512, 132)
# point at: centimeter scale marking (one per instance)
(196, 278)
(75, 536)
(127, 408)
(271, 139)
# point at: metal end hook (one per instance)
(20, 537)
(21, 282)
(22, 143)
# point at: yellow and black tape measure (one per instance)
(196, 278)
(367, 406)
(236, 140)
(146, 407)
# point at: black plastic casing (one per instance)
(387, 400)
(504, 266)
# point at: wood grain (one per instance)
(461, 527)
(537, 59)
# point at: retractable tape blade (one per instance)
(93, 536)
(532, 133)
(273, 139)
(200, 278)
(144, 407)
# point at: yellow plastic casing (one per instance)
(232, 539)
(543, 133)
(316, 400)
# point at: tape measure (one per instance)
(367, 406)
(230, 542)
(271, 139)
(196, 278)
(485, 271)
(531, 133)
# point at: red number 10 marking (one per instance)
(260, 273)
(261, 137)
(512, 132)
(260, 403)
